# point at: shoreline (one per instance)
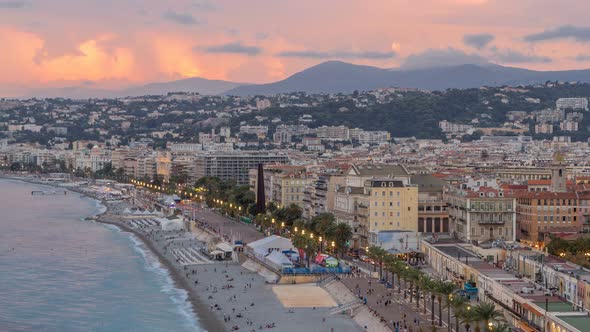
(220, 290)
(204, 317)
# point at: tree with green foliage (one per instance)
(342, 234)
(306, 243)
(288, 214)
(377, 254)
(323, 224)
(487, 312)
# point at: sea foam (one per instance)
(177, 295)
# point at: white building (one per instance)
(572, 103)
(333, 133)
(454, 128)
(254, 130)
(544, 128)
(568, 126)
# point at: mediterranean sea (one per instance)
(61, 273)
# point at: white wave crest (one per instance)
(178, 296)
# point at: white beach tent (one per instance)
(279, 260)
(269, 244)
(170, 225)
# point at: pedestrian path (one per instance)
(190, 256)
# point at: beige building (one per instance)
(482, 215)
(376, 198)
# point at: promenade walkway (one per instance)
(391, 307)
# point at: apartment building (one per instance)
(234, 165)
(283, 184)
(572, 103)
(333, 133)
(540, 213)
(481, 214)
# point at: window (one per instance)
(391, 214)
(382, 203)
(376, 203)
(383, 214)
(397, 204)
(390, 203)
(376, 193)
(391, 193)
(398, 214)
(398, 194)
(376, 214)
(383, 193)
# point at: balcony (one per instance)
(489, 222)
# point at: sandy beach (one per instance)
(226, 296)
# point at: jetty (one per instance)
(48, 192)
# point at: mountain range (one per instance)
(337, 76)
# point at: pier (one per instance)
(46, 193)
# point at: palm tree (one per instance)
(308, 244)
(412, 275)
(467, 317)
(342, 234)
(431, 286)
(444, 289)
(502, 328)
(323, 224)
(377, 254)
(487, 312)
(457, 303)
(391, 264)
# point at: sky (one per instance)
(117, 43)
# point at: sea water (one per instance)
(61, 273)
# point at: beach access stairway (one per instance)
(142, 223)
(190, 256)
(326, 280)
(346, 300)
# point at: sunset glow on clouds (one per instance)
(110, 43)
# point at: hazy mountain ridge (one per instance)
(195, 84)
(335, 77)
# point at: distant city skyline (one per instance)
(112, 44)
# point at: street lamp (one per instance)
(295, 229)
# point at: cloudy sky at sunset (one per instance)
(115, 43)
